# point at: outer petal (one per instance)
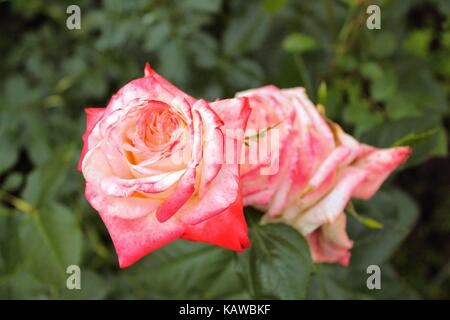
(227, 229)
(378, 163)
(328, 209)
(269, 89)
(135, 238)
(150, 87)
(330, 242)
(150, 73)
(93, 116)
(233, 112)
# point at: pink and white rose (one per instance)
(154, 169)
(320, 168)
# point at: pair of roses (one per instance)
(161, 165)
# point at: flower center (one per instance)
(156, 133)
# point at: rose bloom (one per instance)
(154, 170)
(318, 169)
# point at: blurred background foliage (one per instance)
(385, 86)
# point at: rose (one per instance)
(320, 169)
(154, 170)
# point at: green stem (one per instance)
(306, 78)
(331, 17)
(16, 202)
(368, 222)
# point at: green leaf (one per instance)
(360, 113)
(299, 43)
(205, 50)
(44, 182)
(273, 6)
(9, 152)
(332, 281)
(245, 31)
(36, 143)
(50, 241)
(382, 44)
(402, 105)
(157, 34)
(208, 6)
(174, 61)
(397, 212)
(371, 70)
(12, 181)
(22, 285)
(421, 86)
(384, 87)
(244, 74)
(278, 265)
(9, 241)
(93, 286)
(418, 42)
(184, 269)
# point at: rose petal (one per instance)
(150, 87)
(95, 169)
(328, 209)
(224, 188)
(213, 143)
(135, 238)
(330, 242)
(179, 196)
(93, 116)
(260, 198)
(227, 229)
(186, 187)
(117, 187)
(331, 164)
(378, 163)
(221, 193)
(177, 93)
(300, 99)
(233, 112)
(285, 180)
